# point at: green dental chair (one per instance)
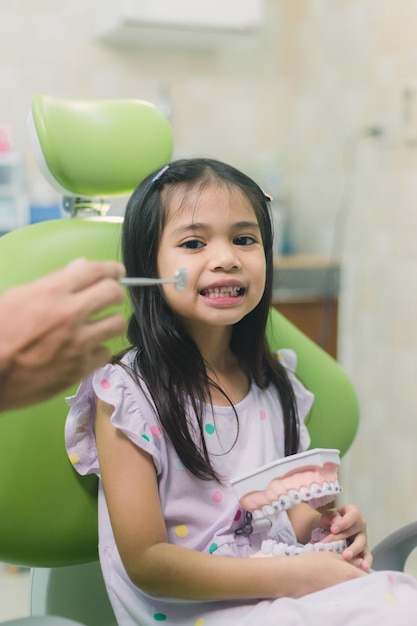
(90, 151)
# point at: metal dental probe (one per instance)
(180, 280)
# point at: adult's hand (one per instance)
(48, 340)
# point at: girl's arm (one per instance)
(131, 491)
(304, 520)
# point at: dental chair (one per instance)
(90, 151)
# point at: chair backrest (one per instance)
(334, 417)
(42, 495)
(51, 511)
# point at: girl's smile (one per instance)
(213, 232)
(224, 293)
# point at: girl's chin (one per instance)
(223, 303)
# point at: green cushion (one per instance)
(51, 511)
(98, 147)
(334, 417)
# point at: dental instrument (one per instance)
(180, 280)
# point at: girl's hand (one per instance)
(313, 571)
(346, 522)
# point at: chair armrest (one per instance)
(393, 551)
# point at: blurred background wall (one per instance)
(320, 106)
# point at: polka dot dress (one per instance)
(199, 515)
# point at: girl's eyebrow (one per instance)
(200, 226)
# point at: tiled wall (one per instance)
(293, 108)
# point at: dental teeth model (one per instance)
(306, 477)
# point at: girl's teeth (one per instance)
(222, 291)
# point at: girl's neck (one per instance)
(214, 347)
(223, 369)
(231, 385)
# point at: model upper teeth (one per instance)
(316, 495)
(309, 476)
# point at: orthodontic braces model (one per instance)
(305, 477)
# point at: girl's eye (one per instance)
(192, 244)
(244, 240)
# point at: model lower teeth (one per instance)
(274, 548)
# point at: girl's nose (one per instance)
(225, 258)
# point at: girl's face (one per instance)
(213, 233)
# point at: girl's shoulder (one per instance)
(304, 398)
(121, 385)
(112, 380)
(287, 358)
(133, 413)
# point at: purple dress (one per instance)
(204, 516)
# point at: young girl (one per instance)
(196, 401)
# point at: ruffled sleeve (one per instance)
(133, 414)
(303, 397)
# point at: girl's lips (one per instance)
(223, 292)
(224, 289)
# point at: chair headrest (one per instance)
(98, 148)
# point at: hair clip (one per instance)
(267, 195)
(159, 174)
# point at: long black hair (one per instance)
(167, 359)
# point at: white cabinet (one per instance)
(178, 23)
